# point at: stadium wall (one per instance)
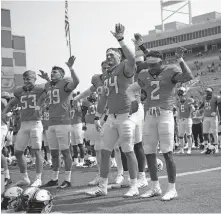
(13, 55)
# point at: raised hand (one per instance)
(180, 52)
(119, 31)
(138, 39)
(43, 75)
(71, 61)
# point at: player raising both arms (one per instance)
(158, 82)
(120, 126)
(31, 127)
(59, 91)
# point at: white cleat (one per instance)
(119, 179)
(37, 183)
(80, 164)
(24, 182)
(216, 150)
(142, 182)
(97, 192)
(170, 194)
(75, 163)
(181, 151)
(152, 193)
(189, 152)
(95, 181)
(132, 192)
(124, 184)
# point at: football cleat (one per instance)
(170, 194)
(152, 193)
(132, 192)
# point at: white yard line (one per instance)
(78, 192)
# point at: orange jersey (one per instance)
(76, 113)
(89, 117)
(28, 101)
(211, 105)
(59, 102)
(185, 108)
(115, 84)
(159, 89)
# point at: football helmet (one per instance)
(210, 150)
(26, 196)
(93, 97)
(181, 91)
(159, 165)
(40, 202)
(11, 199)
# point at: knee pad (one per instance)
(180, 137)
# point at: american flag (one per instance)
(67, 29)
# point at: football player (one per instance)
(58, 91)
(77, 132)
(210, 122)
(159, 81)
(5, 97)
(120, 125)
(185, 110)
(31, 127)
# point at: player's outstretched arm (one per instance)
(138, 41)
(186, 74)
(75, 80)
(83, 95)
(129, 54)
(9, 106)
(131, 91)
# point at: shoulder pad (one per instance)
(67, 79)
(174, 68)
(18, 91)
(142, 75)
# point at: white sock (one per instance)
(38, 176)
(141, 175)
(171, 186)
(104, 181)
(33, 160)
(67, 176)
(25, 176)
(81, 160)
(76, 160)
(133, 182)
(54, 176)
(126, 174)
(156, 184)
(7, 175)
(49, 157)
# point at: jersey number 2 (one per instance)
(155, 94)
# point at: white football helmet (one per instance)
(159, 164)
(40, 202)
(11, 198)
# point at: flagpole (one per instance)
(69, 34)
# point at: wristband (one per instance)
(180, 60)
(96, 118)
(121, 42)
